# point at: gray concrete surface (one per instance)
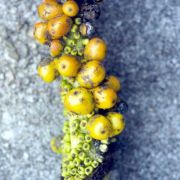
(143, 37)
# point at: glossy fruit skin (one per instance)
(95, 49)
(79, 101)
(59, 26)
(40, 32)
(68, 65)
(117, 122)
(70, 8)
(104, 97)
(113, 82)
(56, 47)
(49, 10)
(99, 127)
(91, 74)
(46, 70)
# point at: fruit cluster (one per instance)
(89, 95)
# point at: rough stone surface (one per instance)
(143, 39)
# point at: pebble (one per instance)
(7, 135)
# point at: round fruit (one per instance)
(95, 49)
(56, 48)
(70, 8)
(117, 121)
(99, 127)
(113, 82)
(104, 97)
(68, 65)
(91, 74)
(46, 70)
(49, 10)
(40, 32)
(80, 101)
(59, 26)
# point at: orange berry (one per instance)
(95, 49)
(68, 65)
(56, 48)
(59, 26)
(49, 10)
(40, 32)
(70, 8)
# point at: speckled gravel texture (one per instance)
(143, 39)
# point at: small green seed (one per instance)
(86, 147)
(78, 21)
(82, 156)
(74, 28)
(76, 35)
(85, 41)
(76, 162)
(88, 138)
(81, 170)
(70, 42)
(67, 50)
(83, 124)
(74, 52)
(95, 164)
(88, 170)
(87, 161)
(73, 171)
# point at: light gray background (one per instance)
(143, 39)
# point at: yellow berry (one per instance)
(59, 26)
(95, 49)
(117, 122)
(104, 97)
(68, 65)
(49, 10)
(99, 127)
(113, 82)
(70, 8)
(40, 32)
(80, 101)
(46, 70)
(56, 48)
(91, 74)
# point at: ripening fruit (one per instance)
(79, 100)
(49, 1)
(46, 70)
(113, 82)
(70, 8)
(99, 127)
(104, 97)
(117, 122)
(59, 26)
(91, 74)
(56, 47)
(49, 10)
(68, 65)
(95, 49)
(40, 32)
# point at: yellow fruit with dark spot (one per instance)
(117, 121)
(104, 97)
(68, 65)
(95, 49)
(79, 101)
(59, 26)
(40, 32)
(47, 71)
(70, 8)
(113, 82)
(99, 127)
(91, 74)
(56, 48)
(49, 10)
